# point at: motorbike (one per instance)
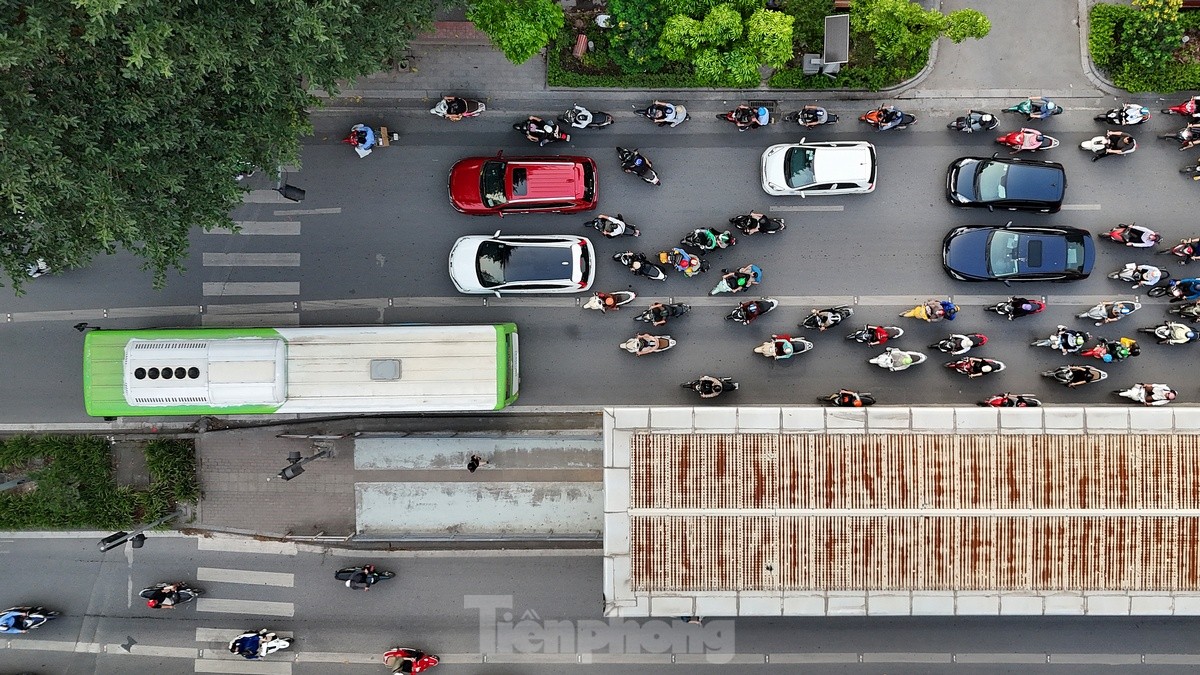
(897, 359)
(1172, 333)
(268, 643)
(958, 343)
(1148, 394)
(1074, 376)
(1027, 139)
(709, 386)
(750, 310)
(1128, 114)
(849, 399)
(932, 311)
(1187, 249)
(1098, 145)
(1188, 108)
(682, 261)
(635, 163)
(887, 117)
(640, 265)
(972, 366)
(1007, 400)
(749, 224)
(746, 117)
(1065, 340)
(365, 138)
(663, 113)
(1035, 109)
(472, 109)
(822, 319)
(973, 121)
(1191, 312)
(781, 347)
(607, 301)
(875, 335)
(669, 311)
(24, 619)
(546, 131)
(1187, 137)
(157, 595)
(743, 278)
(409, 660)
(1113, 350)
(1140, 275)
(1192, 170)
(582, 118)
(368, 576)
(708, 239)
(811, 116)
(1132, 235)
(653, 344)
(1010, 311)
(1179, 291)
(611, 229)
(1107, 312)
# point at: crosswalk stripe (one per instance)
(242, 666)
(245, 545)
(252, 227)
(250, 320)
(232, 606)
(814, 207)
(265, 197)
(223, 288)
(224, 635)
(285, 579)
(250, 259)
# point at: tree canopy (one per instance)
(124, 122)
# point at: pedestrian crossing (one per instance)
(225, 593)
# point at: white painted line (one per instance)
(283, 579)
(226, 288)
(153, 650)
(250, 259)
(244, 666)
(1004, 658)
(48, 645)
(249, 227)
(1097, 659)
(253, 308)
(250, 320)
(245, 545)
(828, 657)
(224, 635)
(903, 657)
(264, 197)
(1080, 207)
(343, 657)
(809, 208)
(306, 212)
(260, 607)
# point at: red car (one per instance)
(482, 186)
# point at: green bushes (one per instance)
(1114, 36)
(73, 485)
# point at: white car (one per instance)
(821, 168)
(556, 263)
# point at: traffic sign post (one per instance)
(136, 538)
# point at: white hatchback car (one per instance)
(820, 168)
(556, 263)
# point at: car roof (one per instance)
(834, 162)
(545, 180)
(538, 262)
(1042, 182)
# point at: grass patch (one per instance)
(73, 485)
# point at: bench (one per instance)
(581, 46)
(841, 4)
(384, 139)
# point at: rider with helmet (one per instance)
(658, 314)
(1115, 143)
(1071, 341)
(362, 137)
(455, 107)
(1022, 307)
(251, 644)
(612, 227)
(742, 278)
(978, 367)
(710, 387)
(813, 115)
(848, 398)
(15, 620)
(1041, 107)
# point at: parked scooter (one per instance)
(363, 577)
(973, 367)
(811, 116)
(974, 120)
(582, 118)
(1128, 114)
(1007, 400)
(1036, 108)
(540, 131)
(754, 222)
(607, 301)
(824, 319)
(748, 311)
(1108, 312)
(165, 595)
(1133, 235)
(897, 359)
(664, 114)
(1149, 394)
(632, 161)
(709, 239)
(781, 347)
(709, 386)
(1075, 376)
(455, 108)
(887, 117)
(408, 660)
(24, 619)
(640, 265)
(645, 343)
(845, 398)
(1027, 139)
(958, 343)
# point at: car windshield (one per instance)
(490, 262)
(798, 167)
(991, 181)
(1004, 249)
(491, 184)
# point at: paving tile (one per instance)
(1064, 603)
(616, 450)
(976, 420)
(795, 604)
(671, 419)
(631, 418)
(715, 420)
(1107, 605)
(1021, 420)
(1106, 419)
(977, 604)
(809, 418)
(1021, 605)
(932, 419)
(710, 605)
(622, 568)
(838, 420)
(760, 604)
(1187, 605)
(847, 604)
(755, 419)
(616, 490)
(1187, 419)
(1151, 605)
(1063, 419)
(933, 603)
(888, 419)
(1156, 420)
(889, 604)
(671, 606)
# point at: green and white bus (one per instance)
(255, 371)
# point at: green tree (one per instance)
(726, 49)
(967, 23)
(902, 31)
(1153, 34)
(123, 123)
(520, 28)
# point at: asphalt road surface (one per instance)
(369, 245)
(491, 614)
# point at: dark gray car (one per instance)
(1006, 183)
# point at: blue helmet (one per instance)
(762, 111)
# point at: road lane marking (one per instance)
(250, 259)
(153, 650)
(224, 635)
(808, 208)
(245, 545)
(250, 320)
(288, 227)
(306, 212)
(244, 666)
(231, 606)
(1080, 207)
(264, 197)
(282, 579)
(227, 288)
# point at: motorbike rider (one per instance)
(1145, 275)
(783, 345)
(685, 262)
(1014, 400)
(848, 398)
(538, 130)
(403, 660)
(455, 107)
(646, 343)
(1040, 107)
(362, 578)
(251, 644)
(164, 597)
(1115, 143)
(963, 344)
(1118, 350)
(663, 112)
(612, 227)
(751, 310)
(1114, 311)
(1080, 375)
(1191, 248)
(712, 239)
(1186, 289)
(878, 335)
(361, 137)
(977, 120)
(15, 621)
(889, 116)
(1157, 394)
(742, 278)
(825, 318)
(933, 311)
(1177, 334)
(1192, 134)
(658, 314)
(710, 387)
(1070, 341)
(1021, 307)
(813, 115)
(754, 222)
(1142, 237)
(636, 164)
(607, 302)
(978, 367)
(1131, 111)
(751, 118)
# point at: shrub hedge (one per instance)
(1104, 45)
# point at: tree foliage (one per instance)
(725, 47)
(966, 23)
(519, 28)
(123, 122)
(1152, 34)
(634, 42)
(900, 29)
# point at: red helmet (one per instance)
(153, 604)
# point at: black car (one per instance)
(987, 253)
(1001, 182)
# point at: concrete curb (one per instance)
(1085, 56)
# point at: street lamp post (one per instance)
(296, 466)
(135, 538)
